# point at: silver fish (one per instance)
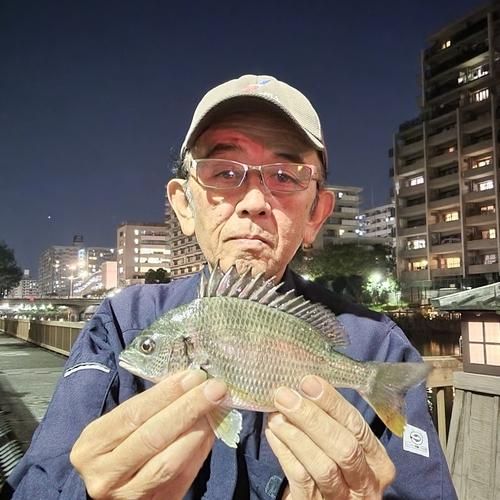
(241, 330)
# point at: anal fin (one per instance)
(226, 424)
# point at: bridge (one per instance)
(74, 306)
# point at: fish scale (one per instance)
(242, 330)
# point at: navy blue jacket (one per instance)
(93, 384)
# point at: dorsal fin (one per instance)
(265, 292)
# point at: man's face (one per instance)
(250, 226)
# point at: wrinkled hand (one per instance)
(325, 447)
(153, 445)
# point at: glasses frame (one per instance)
(313, 176)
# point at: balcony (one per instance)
(407, 191)
(407, 253)
(478, 148)
(476, 196)
(409, 276)
(442, 159)
(445, 203)
(447, 248)
(407, 170)
(477, 173)
(482, 244)
(444, 136)
(411, 211)
(483, 268)
(445, 272)
(412, 231)
(478, 124)
(444, 181)
(411, 149)
(481, 220)
(445, 226)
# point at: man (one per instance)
(250, 187)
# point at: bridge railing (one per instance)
(58, 336)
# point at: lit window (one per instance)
(136, 232)
(482, 163)
(450, 216)
(136, 269)
(489, 209)
(415, 244)
(417, 266)
(481, 95)
(416, 180)
(484, 343)
(452, 262)
(136, 241)
(136, 250)
(489, 234)
(490, 258)
(446, 44)
(451, 149)
(484, 186)
(341, 232)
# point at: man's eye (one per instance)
(283, 176)
(226, 174)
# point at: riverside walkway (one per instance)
(28, 376)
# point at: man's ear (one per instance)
(326, 202)
(178, 199)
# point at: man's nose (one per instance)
(254, 196)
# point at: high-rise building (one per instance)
(58, 266)
(446, 160)
(141, 246)
(187, 257)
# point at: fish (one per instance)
(242, 330)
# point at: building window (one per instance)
(452, 262)
(488, 209)
(446, 44)
(417, 266)
(416, 180)
(136, 231)
(490, 258)
(484, 343)
(485, 185)
(489, 234)
(415, 244)
(480, 95)
(341, 232)
(482, 163)
(450, 216)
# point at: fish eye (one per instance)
(147, 346)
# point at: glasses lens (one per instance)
(222, 174)
(286, 176)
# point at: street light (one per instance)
(71, 278)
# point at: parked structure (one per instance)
(445, 161)
(141, 246)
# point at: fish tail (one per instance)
(386, 395)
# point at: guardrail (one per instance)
(58, 336)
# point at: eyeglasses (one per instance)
(217, 173)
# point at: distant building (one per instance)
(187, 257)
(28, 287)
(343, 225)
(380, 222)
(446, 161)
(141, 246)
(58, 265)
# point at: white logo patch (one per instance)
(415, 441)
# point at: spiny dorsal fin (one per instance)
(265, 292)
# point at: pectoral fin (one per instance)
(226, 424)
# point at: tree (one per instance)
(157, 276)
(346, 268)
(10, 272)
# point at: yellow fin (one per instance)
(226, 424)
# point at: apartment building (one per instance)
(445, 161)
(28, 287)
(380, 222)
(187, 257)
(343, 225)
(141, 246)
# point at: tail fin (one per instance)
(386, 397)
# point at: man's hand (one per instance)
(325, 447)
(153, 445)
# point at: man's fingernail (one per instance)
(277, 419)
(311, 387)
(192, 379)
(288, 398)
(215, 390)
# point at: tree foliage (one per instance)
(346, 268)
(10, 272)
(157, 276)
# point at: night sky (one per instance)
(96, 94)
